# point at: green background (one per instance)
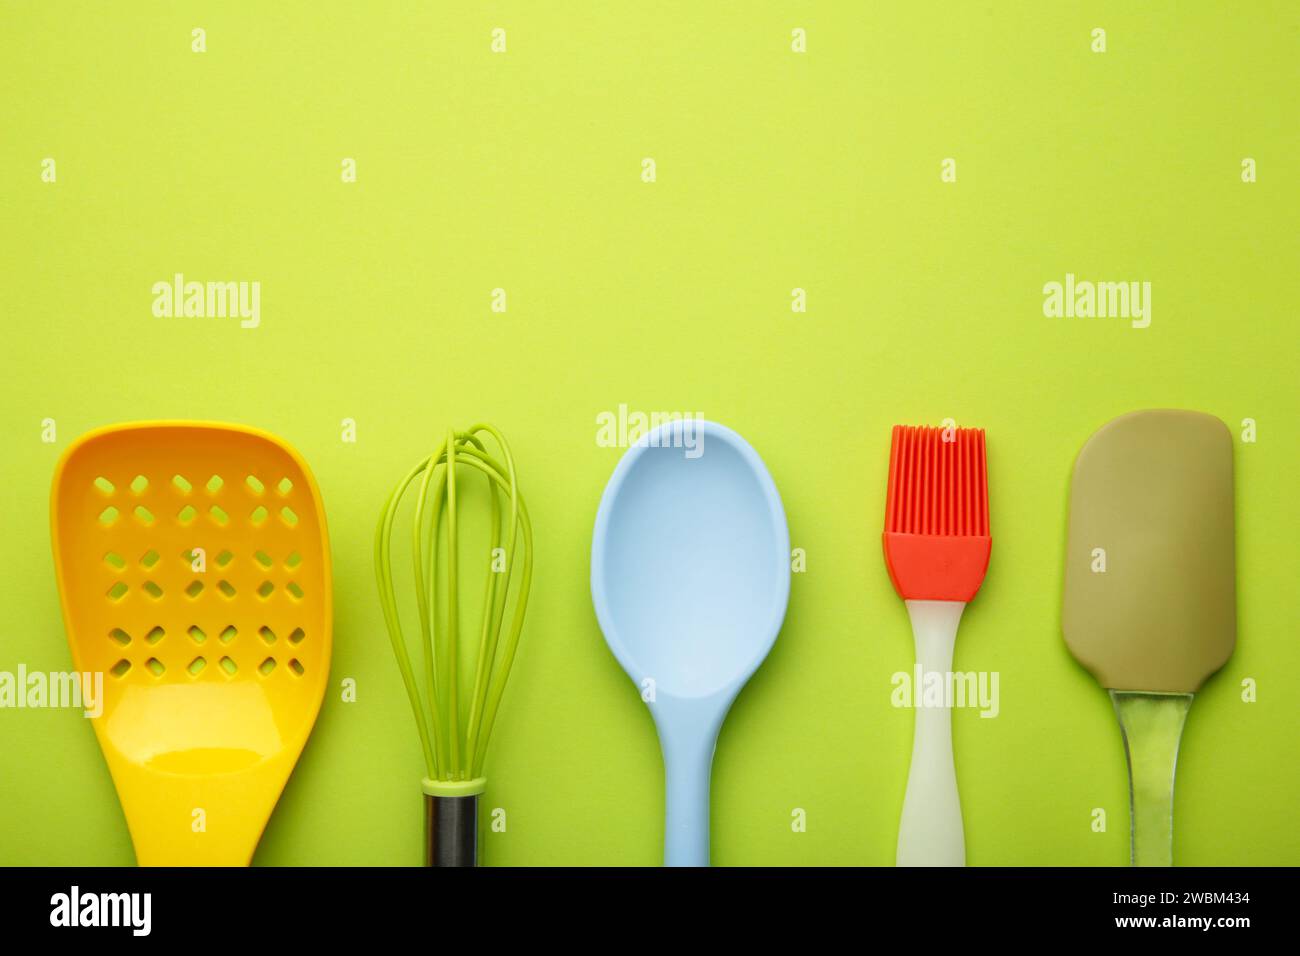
(776, 170)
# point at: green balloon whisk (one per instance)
(454, 720)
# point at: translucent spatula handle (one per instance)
(1152, 725)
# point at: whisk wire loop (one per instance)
(455, 743)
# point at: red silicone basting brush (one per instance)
(937, 549)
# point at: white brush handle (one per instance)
(930, 832)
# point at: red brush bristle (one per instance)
(937, 513)
(936, 486)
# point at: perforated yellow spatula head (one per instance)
(193, 568)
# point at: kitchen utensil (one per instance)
(1150, 593)
(690, 576)
(464, 671)
(193, 568)
(937, 549)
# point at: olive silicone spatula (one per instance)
(1150, 596)
(193, 567)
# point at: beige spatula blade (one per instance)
(1151, 497)
(1150, 594)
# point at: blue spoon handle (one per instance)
(688, 765)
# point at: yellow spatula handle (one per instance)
(1152, 725)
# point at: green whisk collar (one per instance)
(453, 788)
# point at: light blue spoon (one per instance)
(690, 575)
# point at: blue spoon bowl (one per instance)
(690, 576)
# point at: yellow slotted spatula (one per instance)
(193, 569)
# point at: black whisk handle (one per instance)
(450, 830)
